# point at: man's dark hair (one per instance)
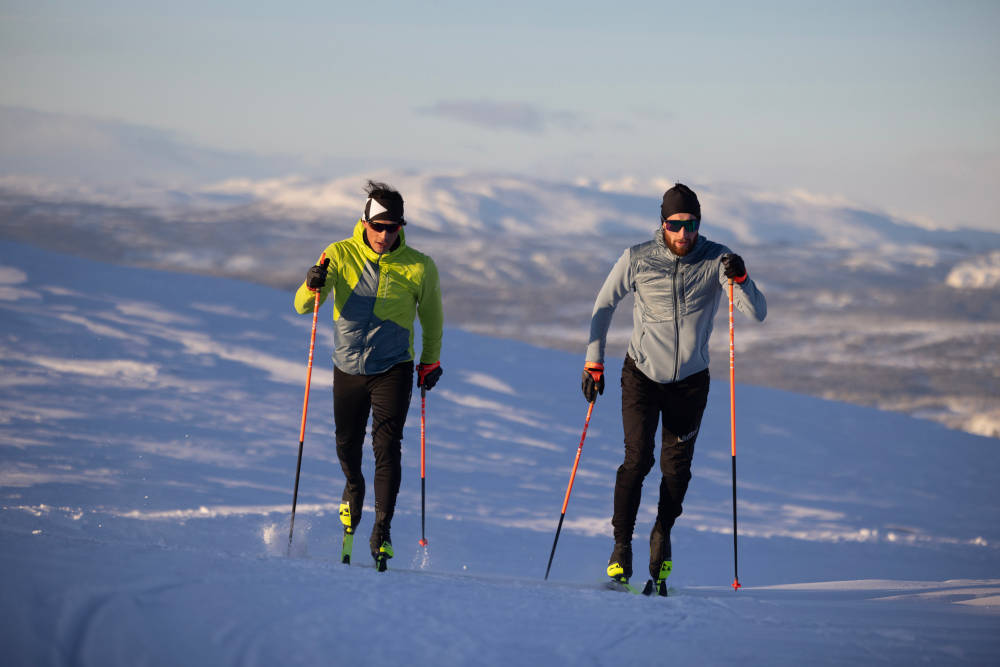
(389, 198)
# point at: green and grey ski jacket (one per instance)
(376, 298)
(676, 299)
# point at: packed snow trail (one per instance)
(148, 456)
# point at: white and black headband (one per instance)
(374, 211)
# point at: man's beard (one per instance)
(680, 252)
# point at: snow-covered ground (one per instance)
(150, 430)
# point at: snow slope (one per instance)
(150, 425)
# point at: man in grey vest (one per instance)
(678, 279)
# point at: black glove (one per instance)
(316, 275)
(734, 268)
(428, 375)
(593, 380)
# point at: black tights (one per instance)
(645, 404)
(386, 397)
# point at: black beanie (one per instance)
(680, 199)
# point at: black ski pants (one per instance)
(645, 404)
(386, 397)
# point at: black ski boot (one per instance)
(660, 563)
(381, 543)
(620, 564)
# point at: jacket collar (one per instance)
(359, 238)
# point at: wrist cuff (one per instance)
(594, 369)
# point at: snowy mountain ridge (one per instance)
(864, 307)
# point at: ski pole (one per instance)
(423, 462)
(305, 410)
(732, 426)
(569, 487)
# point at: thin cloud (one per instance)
(60, 146)
(515, 116)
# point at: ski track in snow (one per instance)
(149, 440)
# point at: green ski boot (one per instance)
(381, 546)
(660, 562)
(348, 544)
(383, 556)
(620, 569)
(659, 583)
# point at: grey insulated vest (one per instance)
(676, 299)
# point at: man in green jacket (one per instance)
(678, 280)
(380, 285)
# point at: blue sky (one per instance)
(892, 105)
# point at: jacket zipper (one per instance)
(677, 325)
(371, 315)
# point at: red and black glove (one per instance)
(428, 375)
(593, 380)
(316, 275)
(734, 268)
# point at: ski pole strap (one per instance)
(595, 369)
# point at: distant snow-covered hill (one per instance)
(864, 307)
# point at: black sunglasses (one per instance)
(678, 225)
(380, 227)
